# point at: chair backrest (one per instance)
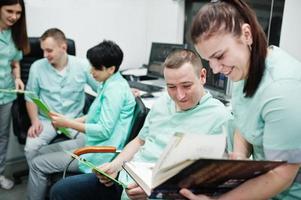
(139, 116)
(20, 118)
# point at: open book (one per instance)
(195, 162)
(40, 104)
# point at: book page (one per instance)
(191, 147)
(141, 173)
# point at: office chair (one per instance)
(20, 118)
(139, 116)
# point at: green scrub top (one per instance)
(208, 117)
(8, 53)
(270, 120)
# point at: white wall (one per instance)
(133, 24)
(290, 39)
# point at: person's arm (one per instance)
(262, 187)
(17, 75)
(115, 166)
(81, 119)
(59, 120)
(241, 148)
(36, 126)
(111, 102)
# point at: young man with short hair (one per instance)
(186, 108)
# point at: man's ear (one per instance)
(64, 46)
(203, 74)
(111, 69)
(247, 34)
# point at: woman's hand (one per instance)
(135, 92)
(58, 120)
(189, 195)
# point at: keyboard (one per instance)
(145, 87)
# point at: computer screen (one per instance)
(158, 54)
(218, 84)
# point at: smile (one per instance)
(229, 72)
(12, 21)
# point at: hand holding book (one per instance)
(200, 168)
(58, 120)
(97, 170)
(40, 104)
(108, 169)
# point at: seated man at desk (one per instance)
(186, 108)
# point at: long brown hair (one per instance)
(19, 32)
(228, 16)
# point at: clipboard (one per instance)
(95, 169)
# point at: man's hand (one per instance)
(135, 192)
(111, 170)
(58, 120)
(35, 129)
(19, 84)
(189, 195)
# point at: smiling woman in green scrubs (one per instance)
(265, 98)
(13, 41)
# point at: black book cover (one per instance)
(212, 177)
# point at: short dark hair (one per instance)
(19, 31)
(227, 16)
(55, 33)
(179, 57)
(105, 54)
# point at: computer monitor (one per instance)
(158, 54)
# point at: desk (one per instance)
(148, 102)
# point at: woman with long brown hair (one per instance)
(13, 43)
(265, 98)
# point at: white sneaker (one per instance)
(6, 183)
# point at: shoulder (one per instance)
(164, 101)
(81, 63)
(210, 106)
(208, 102)
(117, 84)
(39, 65)
(281, 66)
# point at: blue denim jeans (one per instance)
(85, 187)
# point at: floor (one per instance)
(19, 190)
